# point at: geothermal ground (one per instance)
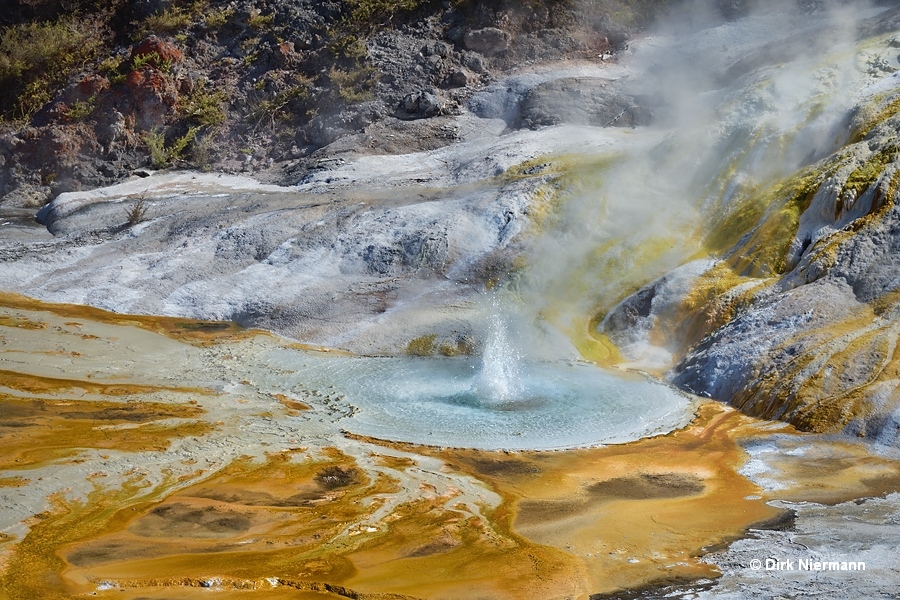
(470, 372)
(149, 458)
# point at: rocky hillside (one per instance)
(92, 91)
(798, 319)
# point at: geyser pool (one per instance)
(441, 401)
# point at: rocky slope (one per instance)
(94, 92)
(797, 320)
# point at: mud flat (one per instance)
(150, 458)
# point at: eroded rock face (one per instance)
(796, 319)
(155, 96)
(582, 101)
(814, 344)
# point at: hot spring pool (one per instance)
(456, 402)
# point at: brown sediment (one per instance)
(624, 516)
(398, 463)
(283, 519)
(38, 384)
(36, 430)
(808, 469)
(291, 403)
(10, 482)
(642, 511)
(20, 322)
(569, 523)
(288, 520)
(184, 330)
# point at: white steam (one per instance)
(739, 103)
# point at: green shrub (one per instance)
(260, 22)
(363, 19)
(203, 106)
(285, 105)
(37, 58)
(354, 85)
(371, 14)
(82, 109)
(156, 143)
(137, 213)
(169, 20)
(160, 153)
(152, 59)
(215, 19)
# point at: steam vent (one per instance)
(460, 300)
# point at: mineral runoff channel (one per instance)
(145, 457)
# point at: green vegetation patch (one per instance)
(162, 153)
(203, 106)
(36, 59)
(354, 85)
(868, 173)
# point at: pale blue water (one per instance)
(441, 401)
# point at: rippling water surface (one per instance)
(443, 402)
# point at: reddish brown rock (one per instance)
(167, 53)
(155, 96)
(92, 85)
(285, 55)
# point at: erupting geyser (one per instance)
(498, 381)
(500, 400)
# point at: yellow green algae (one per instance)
(756, 231)
(881, 108)
(422, 345)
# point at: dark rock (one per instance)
(474, 61)
(422, 104)
(141, 9)
(430, 105)
(436, 48)
(89, 87)
(582, 101)
(489, 41)
(459, 78)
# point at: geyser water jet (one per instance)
(499, 377)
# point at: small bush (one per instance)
(152, 59)
(217, 18)
(374, 13)
(203, 106)
(355, 85)
(286, 104)
(260, 22)
(82, 109)
(180, 144)
(161, 154)
(156, 143)
(165, 22)
(363, 19)
(138, 211)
